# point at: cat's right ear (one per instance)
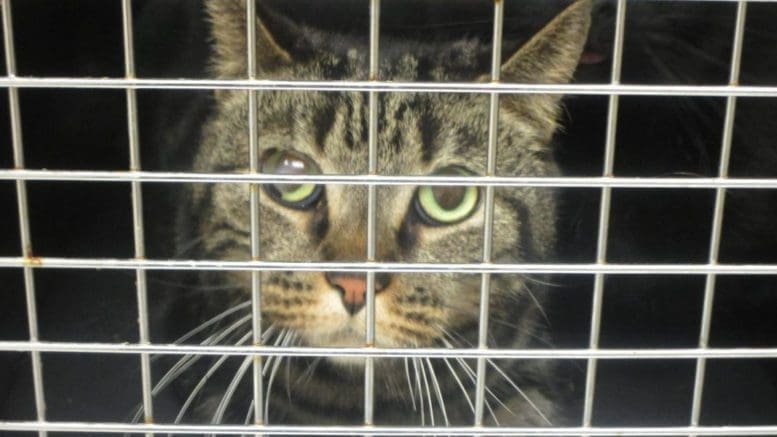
(228, 31)
(552, 55)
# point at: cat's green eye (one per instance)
(287, 162)
(446, 205)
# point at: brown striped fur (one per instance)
(417, 134)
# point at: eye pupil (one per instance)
(448, 197)
(446, 205)
(286, 162)
(287, 188)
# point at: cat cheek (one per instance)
(407, 235)
(319, 222)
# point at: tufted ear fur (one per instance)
(228, 30)
(550, 57)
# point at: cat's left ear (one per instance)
(551, 56)
(228, 30)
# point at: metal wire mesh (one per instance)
(599, 269)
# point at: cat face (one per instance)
(418, 134)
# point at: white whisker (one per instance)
(530, 278)
(249, 413)
(229, 393)
(288, 376)
(409, 384)
(205, 379)
(138, 412)
(461, 385)
(473, 378)
(268, 362)
(189, 360)
(308, 373)
(520, 392)
(212, 321)
(471, 374)
(287, 335)
(428, 392)
(437, 391)
(191, 244)
(452, 337)
(527, 333)
(420, 393)
(536, 303)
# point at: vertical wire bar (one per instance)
(24, 219)
(256, 278)
(488, 219)
(369, 363)
(717, 220)
(604, 213)
(137, 212)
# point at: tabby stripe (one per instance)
(527, 249)
(396, 138)
(429, 128)
(349, 138)
(323, 123)
(226, 244)
(228, 227)
(365, 128)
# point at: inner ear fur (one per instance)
(228, 31)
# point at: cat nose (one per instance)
(353, 287)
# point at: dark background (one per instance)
(666, 43)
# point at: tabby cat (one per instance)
(418, 134)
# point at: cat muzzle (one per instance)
(353, 288)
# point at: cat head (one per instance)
(418, 134)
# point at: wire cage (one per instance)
(30, 262)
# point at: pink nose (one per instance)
(354, 288)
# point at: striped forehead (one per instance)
(416, 131)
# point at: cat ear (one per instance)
(228, 30)
(552, 55)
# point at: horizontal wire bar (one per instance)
(381, 352)
(118, 428)
(391, 267)
(389, 86)
(497, 181)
